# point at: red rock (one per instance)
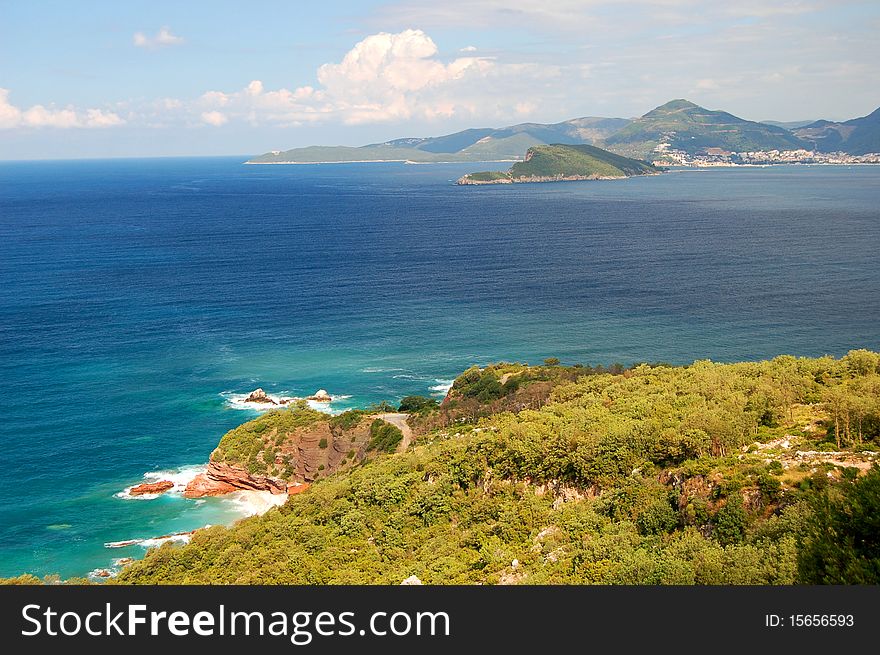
(297, 488)
(240, 479)
(221, 478)
(151, 488)
(202, 485)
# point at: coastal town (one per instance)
(711, 157)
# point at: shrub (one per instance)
(729, 523)
(416, 404)
(384, 436)
(346, 420)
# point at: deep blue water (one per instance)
(135, 293)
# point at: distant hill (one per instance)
(680, 123)
(548, 163)
(857, 136)
(691, 128)
(478, 144)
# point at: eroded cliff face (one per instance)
(222, 478)
(281, 459)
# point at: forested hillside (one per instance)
(749, 473)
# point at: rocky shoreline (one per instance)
(222, 478)
(260, 397)
(465, 180)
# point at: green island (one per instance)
(744, 473)
(562, 162)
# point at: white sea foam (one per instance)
(238, 401)
(158, 541)
(180, 477)
(442, 387)
(152, 542)
(379, 369)
(251, 503)
(95, 574)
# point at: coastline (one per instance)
(376, 161)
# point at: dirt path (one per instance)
(398, 420)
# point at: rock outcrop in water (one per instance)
(151, 488)
(259, 396)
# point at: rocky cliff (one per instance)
(282, 449)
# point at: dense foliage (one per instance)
(384, 437)
(654, 475)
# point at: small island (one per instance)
(558, 163)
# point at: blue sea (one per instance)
(140, 298)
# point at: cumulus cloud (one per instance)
(383, 77)
(214, 118)
(10, 115)
(164, 37)
(41, 116)
(396, 76)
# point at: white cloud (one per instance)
(40, 116)
(396, 76)
(469, 48)
(383, 77)
(10, 115)
(215, 98)
(214, 118)
(162, 38)
(99, 118)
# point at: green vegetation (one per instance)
(689, 127)
(244, 444)
(577, 160)
(649, 475)
(489, 176)
(551, 162)
(347, 420)
(842, 542)
(417, 404)
(384, 437)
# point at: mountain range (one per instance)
(680, 124)
(857, 136)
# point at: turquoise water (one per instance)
(139, 296)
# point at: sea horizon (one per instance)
(145, 295)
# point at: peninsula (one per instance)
(748, 473)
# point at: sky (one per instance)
(108, 79)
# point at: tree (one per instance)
(841, 545)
